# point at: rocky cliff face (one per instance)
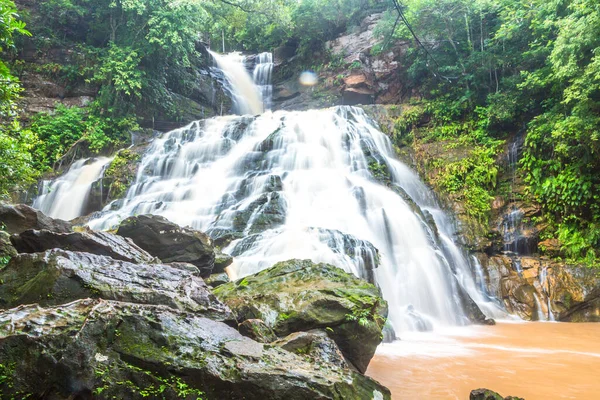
(517, 267)
(348, 72)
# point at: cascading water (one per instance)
(263, 71)
(298, 185)
(66, 197)
(320, 184)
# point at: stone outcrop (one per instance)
(58, 276)
(298, 295)
(170, 242)
(538, 287)
(86, 240)
(353, 74)
(109, 349)
(20, 217)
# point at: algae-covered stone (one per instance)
(121, 173)
(106, 349)
(58, 276)
(7, 250)
(216, 280)
(170, 242)
(299, 295)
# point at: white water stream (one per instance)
(66, 197)
(285, 185)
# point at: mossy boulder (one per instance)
(58, 276)
(105, 350)
(170, 242)
(299, 295)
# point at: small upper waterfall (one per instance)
(66, 197)
(246, 96)
(262, 75)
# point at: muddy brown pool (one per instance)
(534, 360)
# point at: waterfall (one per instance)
(320, 184)
(66, 197)
(288, 185)
(246, 96)
(263, 71)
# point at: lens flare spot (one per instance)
(308, 78)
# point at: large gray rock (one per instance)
(88, 241)
(119, 350)
(170, 242)
(298, 295)
(58, 276)
(20, 217)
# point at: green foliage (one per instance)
(57, 132)
(10, 24)
(493, 68)
(16, 166)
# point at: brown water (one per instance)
(534, 360)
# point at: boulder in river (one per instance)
(88, 241)
(170, 242)
(486, 394)
(59, 276)
(299, 295)
(106, 349)
(20, 217)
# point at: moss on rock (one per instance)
(299, 295)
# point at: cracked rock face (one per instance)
(112, 349)
(59, 276)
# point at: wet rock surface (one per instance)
(257, 330)
(538, 288)
(170, 242)
(86, 240)
(315, 344)
(111, 349)
(298, 295)
(111, 321)
(58, 276)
